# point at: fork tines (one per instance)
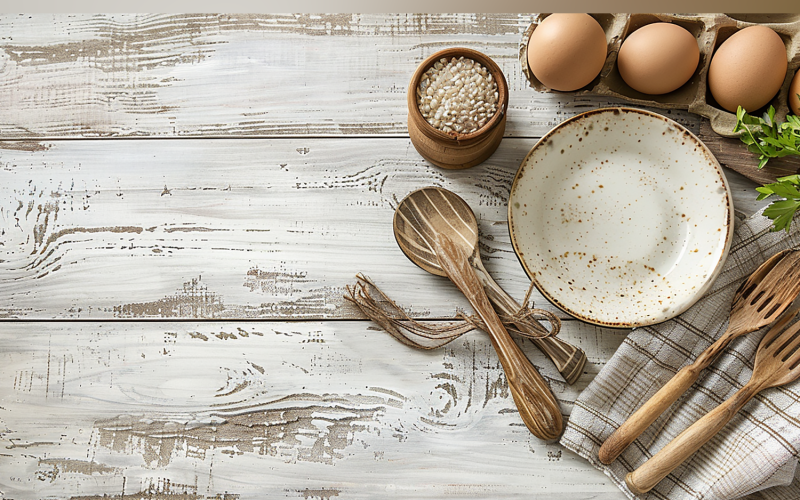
(782, 341)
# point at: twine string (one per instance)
(378, 307)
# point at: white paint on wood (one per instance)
(271, 410)
(235, 228)
(247, 75)
(270, 229)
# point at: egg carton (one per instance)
(710, 30)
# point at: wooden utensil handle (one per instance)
(647, 414)
(569, 359)
(660, 401)
(689, 441)
(536, 403)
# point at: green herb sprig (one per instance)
(782, 211)
(769, 139)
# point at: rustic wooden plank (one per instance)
(259, 75)
(133, 229)
(177, 75)
(264, 229)
(733, 154)
(278, 410)
(206, 75)
(231, 229)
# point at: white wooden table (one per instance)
(183, 199)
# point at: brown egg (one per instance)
(567, 51)
(748, 69)
(658, 58)
(794, 89)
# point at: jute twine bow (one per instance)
(430, 335)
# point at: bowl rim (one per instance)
(636, 322)
(484, 60)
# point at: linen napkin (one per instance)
(756, 454)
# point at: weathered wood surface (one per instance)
(233, 228)
(734, 154)
(278, 410)
(245, 75)
(119, 202)
(207, 75)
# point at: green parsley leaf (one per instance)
(782, 211)
(768, 139)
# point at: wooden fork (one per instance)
(777, 363)
(758, 302)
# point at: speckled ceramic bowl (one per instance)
(621, 217)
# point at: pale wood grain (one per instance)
(198, 228)
(251, 75)
(207, 75)
(234, 228)
(270, 410)
(255, 223)
(247, 75)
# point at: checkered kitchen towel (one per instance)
(757, 453)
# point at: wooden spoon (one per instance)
(449, 213)
(439, 225)
(777, 363)
(757, 302)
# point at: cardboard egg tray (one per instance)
(711, 30)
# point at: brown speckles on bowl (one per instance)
(620, 226)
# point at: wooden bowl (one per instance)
(455, 150)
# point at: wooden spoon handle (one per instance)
(689, 441)
(647, 414)
(536, 403)
(569, 359)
